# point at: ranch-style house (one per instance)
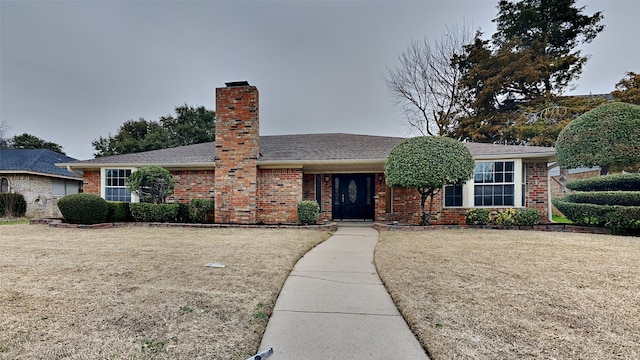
(257, 179)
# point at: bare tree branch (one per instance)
(425, 84)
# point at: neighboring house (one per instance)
(34, 174)
(260, 179)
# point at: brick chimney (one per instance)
(237, 149)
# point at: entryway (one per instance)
(353, 197)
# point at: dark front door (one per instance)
(353, 196)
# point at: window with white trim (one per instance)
(115, 188)
(494, 183)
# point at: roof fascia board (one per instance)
(25, 172)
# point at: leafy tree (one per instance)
(606, 136)
(190, 126)
(628, 89)
(426, 86)
(28, 141)
(540, 124)
(151, 183)
(133, 136)
(427, 164)
(530, 59)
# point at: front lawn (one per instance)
(139, 292)
(496, 294)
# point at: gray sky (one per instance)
(72, 71)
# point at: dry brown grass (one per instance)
(135, 292)
(483, 294)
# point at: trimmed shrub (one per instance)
(151, 183)
(308, 212)
(620, 182)
(477, 217)
(608, 135)
(526, 217)
(505, 217)
(624, 219)
(83, 209)
(584, 214)
(183, 213)
(12, 205)
(146, 212)
(198, 209)
(118, 211)
(624, 198)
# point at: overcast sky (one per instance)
(72, 71)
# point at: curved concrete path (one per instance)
(334, 306)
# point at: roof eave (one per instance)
(27, 172)
(98, 166)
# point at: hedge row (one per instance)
(92, 209)
(615, 216)
(12, 205)
(623, 198)
(506, 217)
(622, 182)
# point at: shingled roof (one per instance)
(301, 149)
(36, 161)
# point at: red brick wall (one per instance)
(91, 182)
(309, 193)
(237, 149)
(191, 184)
(537, 189)
(279, 191)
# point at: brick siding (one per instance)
(279, 191)
(192, 184)
(237, 149)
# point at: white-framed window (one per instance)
(494, 183)
(4, 185)
(497, 183)
(113, 185)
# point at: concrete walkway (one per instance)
(334, 306)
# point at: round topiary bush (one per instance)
(83, 209)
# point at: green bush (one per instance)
(308, 212)
(624, 219)
(624, 198)
(608, 135)
(183, 213)
(151, 183)
(526, 217)
(198, 209)
(83, 209)
(12, 205)
(146, 212)
(584, 214)
(118, 212)
(477, 217)
(505, 217)
(620, 182)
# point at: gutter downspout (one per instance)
(69, 169)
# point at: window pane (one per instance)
(508, 166)
(508, 177)
(499, 166)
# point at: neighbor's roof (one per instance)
(35, 161)
(303, 149)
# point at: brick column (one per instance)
(237, 149)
